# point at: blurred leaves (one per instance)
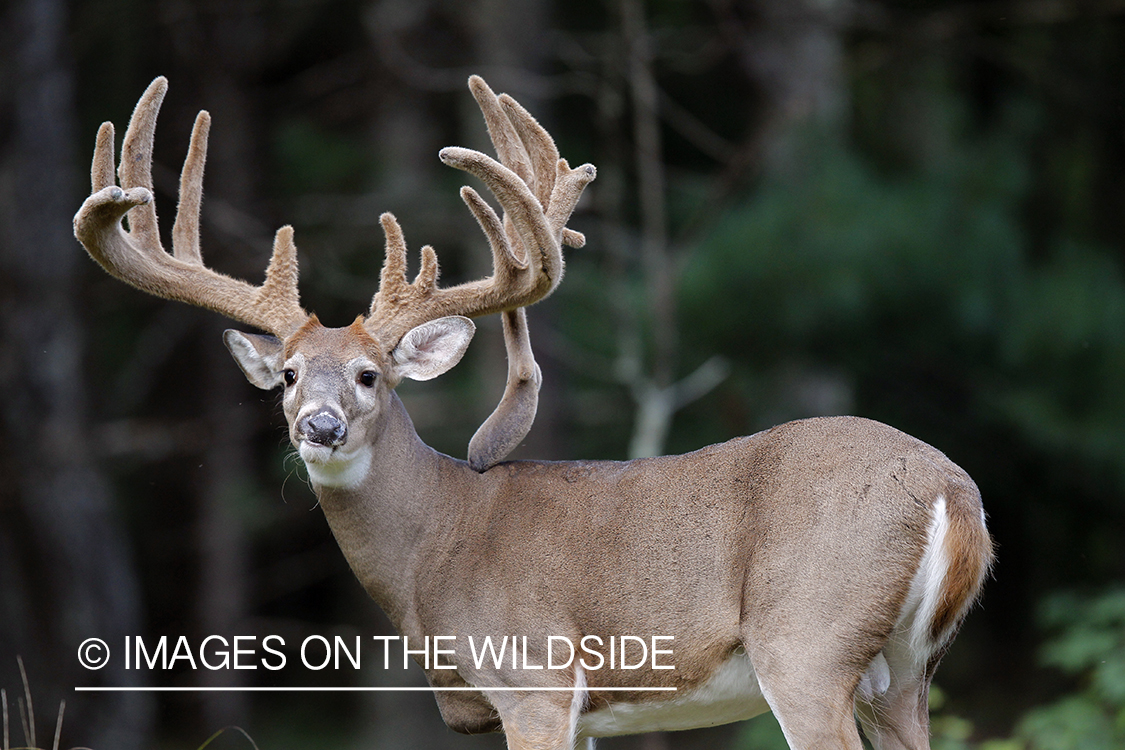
(762, 733)
(1072, 723)
(846, 247)
(1087, 641)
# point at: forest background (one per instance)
(910, 210)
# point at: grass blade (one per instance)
(28, 717)
(240, 730)
(58, 725)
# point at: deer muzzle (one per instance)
(325, 427)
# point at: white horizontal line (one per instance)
(356, 689)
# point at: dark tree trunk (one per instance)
(64, 564)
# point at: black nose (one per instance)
(324, 428)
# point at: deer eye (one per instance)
(367, 378)
(289, 376)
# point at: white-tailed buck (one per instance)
(818, 569)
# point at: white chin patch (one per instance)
(332, 467)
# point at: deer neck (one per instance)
(385, 523)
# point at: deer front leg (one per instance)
(513, 416)
(538, 721)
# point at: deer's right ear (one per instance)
(259, 357)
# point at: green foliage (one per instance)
(1087, 642)
(761, 733)
(947, 731)
(1090, 631)
(842, 260)
(1071, 723)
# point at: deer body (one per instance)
(793, 533)
(818, 569)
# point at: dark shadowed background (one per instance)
(911, 210)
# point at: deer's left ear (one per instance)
(432, 348)
(259, 357)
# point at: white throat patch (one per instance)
(328, 467)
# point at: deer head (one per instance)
(334, 379)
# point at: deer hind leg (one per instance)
(899, 718)
(810, 693)
(896, 716)
(811, 719)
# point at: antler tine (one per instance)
(101, 170)
(568, 190)
(526, 148)
(136, 160)
(185, 231)
(137, 256)
(538, 145)
(399, 307)
(504, 257)
(512, 418)
(542, 245)
(509, 144)
(394, 290)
